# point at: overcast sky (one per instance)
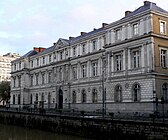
(25, 24)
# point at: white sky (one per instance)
(25, 24)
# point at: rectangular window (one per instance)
(37, 60)
(83, 48)
(43, 59)
(19, 81)
(135, 29)
(135, 58)
(49, 77)
(118, 62)
(19, 65)
(163, 54)
(31, 80)
(32, 63)
(36, 79)
(94, 45)
(60, 74)
(74, 51)
(14, 66)
(94, 68)
(61, 55)
(83, 70)
(118, 34)
(43, 77)
(74, 72)
(49, 58)
(162, 27)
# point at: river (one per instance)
(8, 132)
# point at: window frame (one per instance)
(162, 27)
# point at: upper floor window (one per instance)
(19, 65)
(74, 72)
(49, 77)
(94, 68)
(36, 79)
(43, 77)
(83, 48)
(61, 55)
(49, 58)
(31, 63)
(118, 62)
(37, 60)
(31, 80)
(135, 29)
(94, 45)
(43, 59)
(83, 67)
(163, 56)
(162, 27)
(14, 66)
(74, 51)
(135, 58)
(60, 74)
(118, 34)
(19, 81)
(104, 39)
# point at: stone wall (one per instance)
(89, 127)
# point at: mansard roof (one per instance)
(147, 6)
(30, 53)
(74, 40)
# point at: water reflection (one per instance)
(8, 132)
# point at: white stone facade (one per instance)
(116, 58)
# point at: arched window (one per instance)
(74, 96)
(136, 92)
(83, 96)
(94, 96)
(19, 99)
(118, 93)
(165, 91)
(31, 99)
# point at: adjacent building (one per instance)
(5, 66)
(122, 66)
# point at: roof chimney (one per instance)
(104, 24)
(82, 33)
(40, 49)
(54, 43)
(94, 29)
(127, 13)
(146, 2)
(70, 38)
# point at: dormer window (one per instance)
(162, 27)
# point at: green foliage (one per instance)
(4, 90)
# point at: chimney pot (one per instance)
(104, 24)
(127, 13)
(82, 33)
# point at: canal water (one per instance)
(8, 132)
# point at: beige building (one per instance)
(122, 66)
(5, 66)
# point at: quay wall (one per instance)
(96, 128)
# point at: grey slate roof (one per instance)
(149, 6)
(30, 53)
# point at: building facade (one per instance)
(121, 66)
(5, 66)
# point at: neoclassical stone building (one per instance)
(122, 66)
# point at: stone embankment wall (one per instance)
(89, 127)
